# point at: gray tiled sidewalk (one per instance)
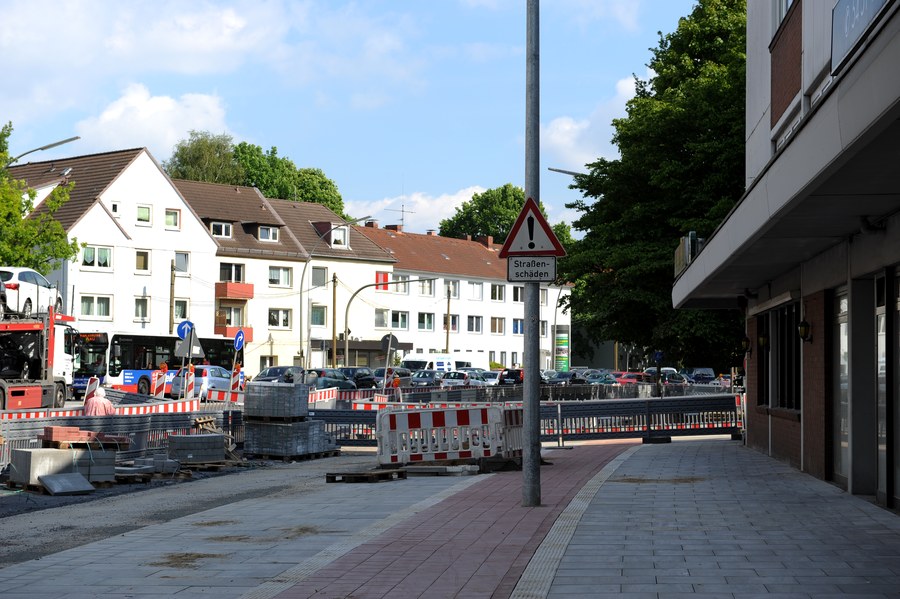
(716, 518)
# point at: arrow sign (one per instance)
(239, 340)
(184, 327)
(531, 235)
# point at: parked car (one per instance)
(426, 378)
(700, 376)
(491, 377)
(28, 292)
(332, 377)
(630, 378)
(511, 376)
(361, 375)
(405, 375)
(570, 377)
(676, 379)
(601, 378)
(206, 377)
(14, 362)
(284, 374)
(651, 372)
(462, 378)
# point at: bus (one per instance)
(126, 361)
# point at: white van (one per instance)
(443, 362)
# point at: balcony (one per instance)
(234, 291)
(222, 327)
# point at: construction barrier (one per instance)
(452, 433)
(158, 384)
(188, 391)
(223, 395)
(236, 378)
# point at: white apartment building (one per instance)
(811, 250)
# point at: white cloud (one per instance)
(625, 13)
(137, 119)
(420, 211)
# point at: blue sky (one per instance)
(409, 105)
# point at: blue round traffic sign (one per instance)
(184, 328)
(239, 340)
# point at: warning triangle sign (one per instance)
(531, 235)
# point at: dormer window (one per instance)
(220, 229)
(339, 237)
(268, 233)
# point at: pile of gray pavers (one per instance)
(277, 423)
(207, 448)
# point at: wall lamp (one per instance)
(804, 329)
(762, 341)
(745, 344)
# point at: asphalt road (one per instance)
(33, 525)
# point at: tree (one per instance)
(33, 240)
(493, 213)
(205, 157)
(681, 168)
(215, 159)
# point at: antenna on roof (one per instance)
(403, 212)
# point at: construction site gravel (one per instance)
(33, 525)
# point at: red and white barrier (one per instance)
(91, 388)
(222, 395)
(427, 435)
(188, 383)
(158, 384)
(166, 407)
(236, 378)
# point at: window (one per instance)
(182, 262)
(181, 309)
(381, 317)
(498, 325)
(498, 293)
(143, 215)
(280, 276)
(492, 357)
(453, 288)
(400, 320)
(142, 261)
(454, 323)
(476, 291)
(785, 359)
(115, 209)
(426, 288)
(317, 316)
(93, 256)
(426, 321)
(173, 218)
(233, 316)
(518, 293)
(220, 229)
(267, 233)
(518, 326)
(339, 237)
(543, 328)
(319, 276)
(279, 318)
(97, 306)
(381, 278)
(231, 273)
(401, 283)
(142, 309)
(474, 324)
(543, 297)
(515, 358)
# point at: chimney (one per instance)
(398, 228)
(431, 232)
(372, 224)
(485, 240)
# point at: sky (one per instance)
(409, 106)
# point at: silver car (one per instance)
(206, 377)
(459, 378)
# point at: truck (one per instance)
(37, 359)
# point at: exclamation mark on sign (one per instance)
(531, 232)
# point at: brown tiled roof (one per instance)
(246, 209)
(92, 174)
(299, 218)
(434, 254)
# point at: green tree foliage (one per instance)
(35, 241)
(216, 159)
(205, 157)
(493, 213)
(681, 169)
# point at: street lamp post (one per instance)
(47, 147)
(322, 238)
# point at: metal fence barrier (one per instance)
(561, 420)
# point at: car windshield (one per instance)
(274, 371)
(423, 374)
(490, 374)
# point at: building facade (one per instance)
(811, 249)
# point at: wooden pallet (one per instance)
(370, 476)
(293, 458)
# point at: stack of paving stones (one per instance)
(277, 424)
(197, 449)
(158, 463)
(67, 449)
